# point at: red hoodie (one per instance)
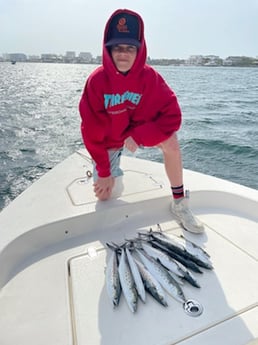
(115, 106)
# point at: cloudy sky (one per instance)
(173, 28)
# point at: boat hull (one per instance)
(53, 257)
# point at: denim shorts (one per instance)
(114, 158)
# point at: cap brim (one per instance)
(129, 41)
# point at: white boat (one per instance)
(53, 256)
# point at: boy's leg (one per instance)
(114, 188)
(114, 158)
(172, 160)
(173, 165)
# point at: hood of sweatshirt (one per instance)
(140, 60)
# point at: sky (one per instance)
(173, 28)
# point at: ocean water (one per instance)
(40, 122)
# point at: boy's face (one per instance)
(123, 56)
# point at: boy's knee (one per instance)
(171, 144)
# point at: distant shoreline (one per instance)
(152, 63)
(70, 57)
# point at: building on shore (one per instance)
(17, 57)
(85, 57)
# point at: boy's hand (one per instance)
(103, 187)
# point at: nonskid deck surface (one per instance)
(221, 295)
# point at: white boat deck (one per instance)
(53, 256)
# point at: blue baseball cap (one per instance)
(124, 28)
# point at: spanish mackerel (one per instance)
(162, 275)
(127, 282)
(136, 275)
(172, 265)
(184, 261)
(112, 279)
(151, 284)
(183, 247)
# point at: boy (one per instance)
(126, 103)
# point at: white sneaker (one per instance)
(185, 217)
